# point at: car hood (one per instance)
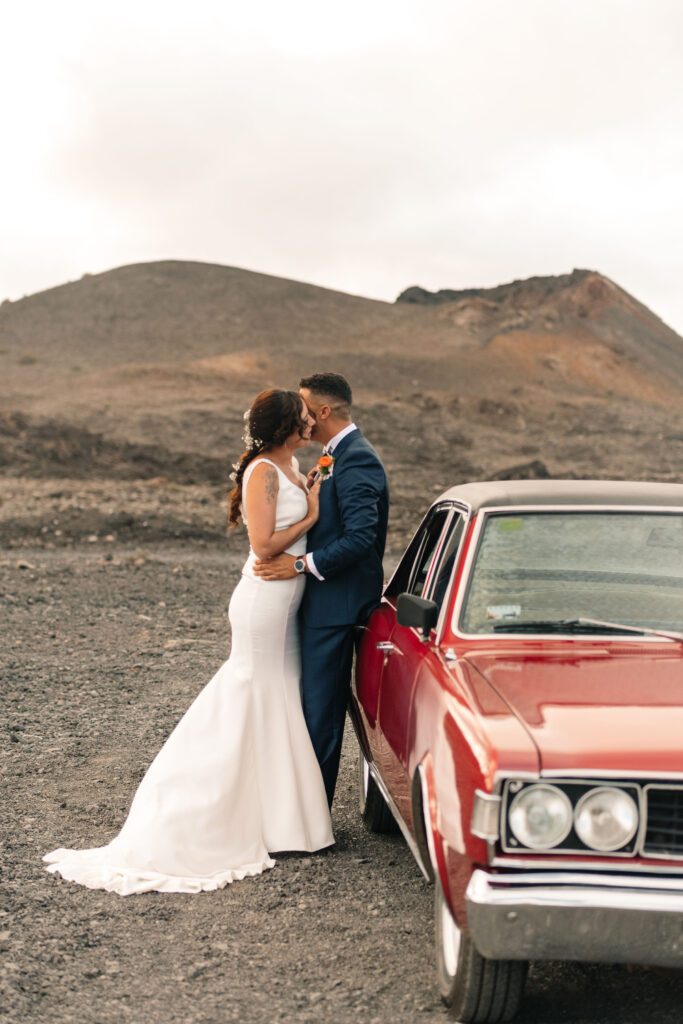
(593, 707)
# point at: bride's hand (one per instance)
(313, 475)
(313, 499)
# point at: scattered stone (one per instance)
(534, 470)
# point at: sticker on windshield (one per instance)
(510, 524)
(503, 611)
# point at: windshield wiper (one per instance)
(554, 626)
(580, 625)
(642, 630)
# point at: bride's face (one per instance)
(300, 438)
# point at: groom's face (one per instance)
(318, 410)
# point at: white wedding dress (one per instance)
(237, 779)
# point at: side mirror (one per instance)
(415, 611)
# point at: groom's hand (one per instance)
(280, 567)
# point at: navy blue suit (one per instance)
(347, 544)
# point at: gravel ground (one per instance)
(104, 646)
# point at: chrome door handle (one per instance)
(388, 647)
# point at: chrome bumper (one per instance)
(572, 916)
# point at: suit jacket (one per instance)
(347, 542)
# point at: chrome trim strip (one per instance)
(553, 865)
(463, 506)
(584, 779)
(412, 845)
(427, 586)
(443, 611)
(512, 509)
(482, 514)
(559, 878)
(596, 773)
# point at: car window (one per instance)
(446, 561)
(428, 550)
(401, 575)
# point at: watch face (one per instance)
(299, 565)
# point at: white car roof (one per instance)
(517, 493)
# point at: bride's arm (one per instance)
(260, 501)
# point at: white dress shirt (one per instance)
(329, 450)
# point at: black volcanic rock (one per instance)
(538, 287)
(534, 470)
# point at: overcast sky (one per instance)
(364, 146)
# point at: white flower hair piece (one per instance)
(251, 442)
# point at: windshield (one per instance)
(624, 567)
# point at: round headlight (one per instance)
(606, 818)
(540, 817)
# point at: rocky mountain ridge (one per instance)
(143, 372)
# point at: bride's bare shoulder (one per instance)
(262, 481)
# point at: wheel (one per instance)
(474, 988)
(373, 809)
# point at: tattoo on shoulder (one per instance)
(271, 486)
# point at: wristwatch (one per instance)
(300, 565)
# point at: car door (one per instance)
(370, 661)
(372, 649)
(404, 654)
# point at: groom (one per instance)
(343, 564)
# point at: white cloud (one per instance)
(365, 148)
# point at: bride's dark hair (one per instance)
(274, 415)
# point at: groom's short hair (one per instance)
(328, 385)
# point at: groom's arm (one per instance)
(361, 484)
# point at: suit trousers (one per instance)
(326, 661)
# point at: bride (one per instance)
(237, 779)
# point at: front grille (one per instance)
(664, 834)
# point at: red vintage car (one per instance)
(518, 701)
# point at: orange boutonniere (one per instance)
(325, 464)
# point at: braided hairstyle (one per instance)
(273, 417)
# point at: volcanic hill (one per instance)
(144, 372)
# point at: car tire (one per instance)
(371, 803)
(475, 989)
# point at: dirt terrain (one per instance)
(121, 400)
(105, 646)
